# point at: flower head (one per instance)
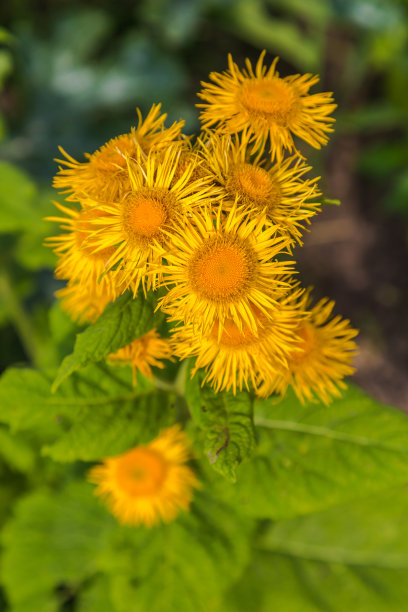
(145, 216)
(322, 356)
(266, 105)
(148, 483)
(238, 358)
(221, 267)
(279, 190)
(82, 303)
(104, 177)
(143, 353)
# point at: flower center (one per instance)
(273, 99)
(140, 472)
(221, 270)
(114, 153)
(145, 213)
(255, 184)
(231, 336)
(306, 341)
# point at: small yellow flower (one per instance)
(143, 353)
(223, 266)
(266, 105)
(322, 357)
(83, 304)
(279, 190)
(104, 177)
(239, 359)
(149, 212)
(148, 483)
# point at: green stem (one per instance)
(21, 322)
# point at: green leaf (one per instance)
(184, 566)
(113, 429)
(51, 546)
(357, 552)
(17, 199)
(315, 456)
(121, 322)
(227, 423)
(16, 452)
(94, 414)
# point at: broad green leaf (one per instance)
(227, 423)
(16, 452)
(184, 566)
(121, 322)
(93, 414)
(110, 430)
(17, 199)
(51, 547)
(315, 456)
(352, 557)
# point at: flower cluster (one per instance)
(213, 222)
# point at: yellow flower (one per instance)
(322, 357)
(148, 483)
(145, 217)
(223, 266)
(266, 105)
(81, 303)
(78, 260)
(190, 156)
(143, 353)
(239, 359)
(104, 176)
(279, 190)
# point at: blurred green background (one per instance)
(72, 73)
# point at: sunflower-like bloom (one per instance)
(222, 267)
(266, 105)
(145, 217)
(279, 190)
(77, 259)
(322, 357)
(82, 303)
(191, 156)
(104, 176)
(148, 483)
(239, 359)
(143, 353)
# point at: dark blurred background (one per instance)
(72, 73)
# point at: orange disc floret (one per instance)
(149, 483)
(267, 106)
